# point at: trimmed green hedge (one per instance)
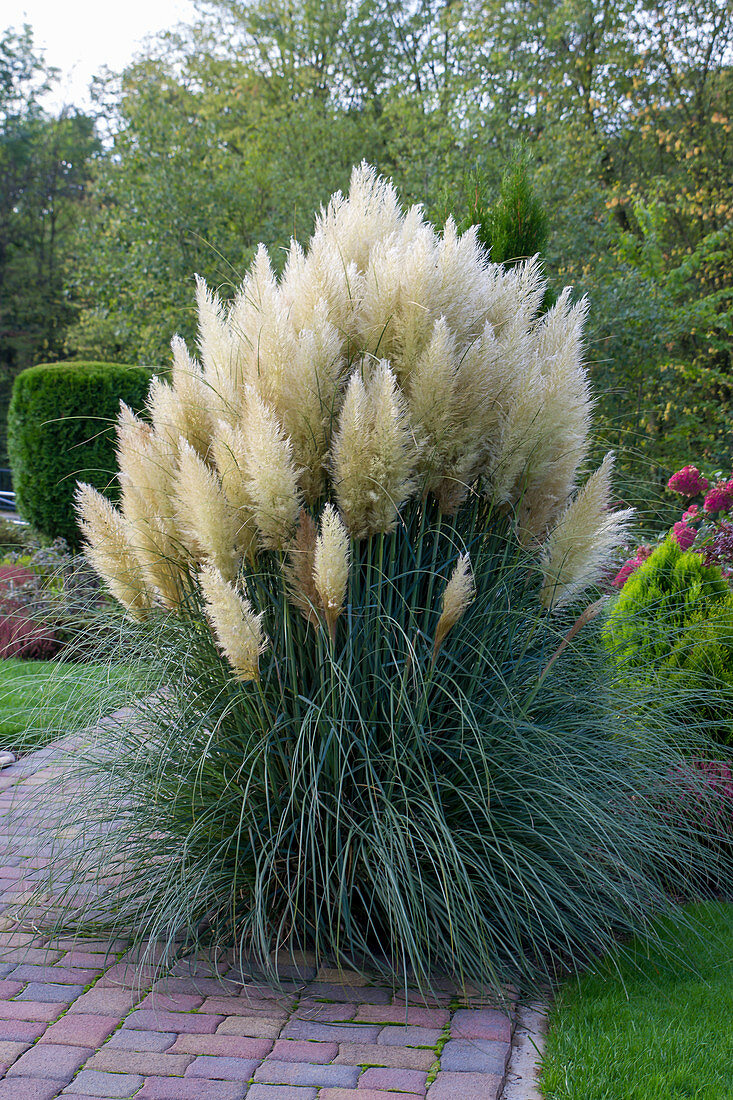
(60, 430)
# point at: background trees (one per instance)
(233, 130)
(45, 161)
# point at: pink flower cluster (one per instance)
(688, 482)
(683, 534)
(720, 498)
(706, 528)
(631, 566)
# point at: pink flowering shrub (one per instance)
(683, 534)
(688, 482)
(719, 499)
(706, 527)
(631, 566)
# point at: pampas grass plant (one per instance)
(353, 542)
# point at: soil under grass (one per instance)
(650, 1025)
(35, 697)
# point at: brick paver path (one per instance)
(83, 1019)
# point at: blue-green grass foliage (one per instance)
(484, 814)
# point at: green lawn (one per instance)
(658, 1030)
(36, 698)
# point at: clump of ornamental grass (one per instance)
(355, 545)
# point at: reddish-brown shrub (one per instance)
(20, 634)
(22, 637)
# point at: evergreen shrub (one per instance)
(60, 428)
(357, 543)
(515, 225)
(673, 621)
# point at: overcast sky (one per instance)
(82, 36)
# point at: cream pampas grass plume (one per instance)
(331, 565)
(109, 549)
(212, 529)
(272, 480)
(391, 363)
(298, 569)
(583, 540)
(458, 596)
(183, 409)
(158, 548)
(373, 453)
(237, 629)
(432, 401)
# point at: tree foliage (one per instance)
(44, 164)
(231, 131)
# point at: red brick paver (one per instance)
(83, 1019)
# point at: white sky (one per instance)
(80, 37)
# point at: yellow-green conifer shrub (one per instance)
(673, 622)
(349, 539)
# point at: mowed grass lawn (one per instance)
(37, 697)
(653, 1026)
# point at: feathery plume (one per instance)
(165, 411)
(583, 539)
(261, 328)
(331, 561)
(400, 291)
(369, 214)
(272, 480)
(147, 460)
(309, 399)
(458, 595)
(349, 454)
(229, 449)
(219, 351)
(109, 551)
(210, 527)
(447, 407)
(237, 629)
(130, 430)
(513, 296)
(373, 453)
(462, 270)
(484, 387)
(561, 428)
(193, 414)
(520, 402)
(431, 402)
(298, 569)
(147, 463)
(393, 449)
(157, 546)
